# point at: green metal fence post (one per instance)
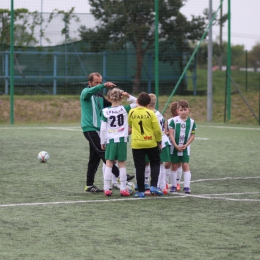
(229, 63)
(156, 44)
(55, 73)
(6, 72)
(12, 64)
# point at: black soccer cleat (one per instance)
(129, 177)
(92, 188)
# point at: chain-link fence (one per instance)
(55, 52)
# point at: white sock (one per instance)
(147, 173)
(167, 175)
(114, 179)
(173, 177)
(179, 175)
(103, 169)
(122, 175)
(161, 179)
(187, 177)
(107, 178)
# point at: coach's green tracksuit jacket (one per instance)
(92, 102)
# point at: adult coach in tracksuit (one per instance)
(92, 102)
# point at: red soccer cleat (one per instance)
(124, 193)
(165, 191)
(108, 193)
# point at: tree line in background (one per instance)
(241, 58)
(122, 22)
(26, 23)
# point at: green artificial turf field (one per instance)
(45, 213)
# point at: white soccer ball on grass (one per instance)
(43, 156)
(130, 186)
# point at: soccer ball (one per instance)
(130, 186)
(43, 156)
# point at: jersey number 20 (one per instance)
(119, 118)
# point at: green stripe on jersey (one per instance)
(187, 130)
(177, 133)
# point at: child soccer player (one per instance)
(114, 137)
(165, 153)
(146, 136)
(174, 113)
(181, 133)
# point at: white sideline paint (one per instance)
(231, 127)
(227, 178)
(170, 196)
(73, 202)
(230, 194)
(221, 198)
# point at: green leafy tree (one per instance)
(124, 21)
(254, 56)
(238, 55)
(25, 23)
(202, 54)
(67, 17)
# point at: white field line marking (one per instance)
(227, 178)
(177, 195)
(233, 194)
(231, 127)
(76, 202)
(200, 138)
(218, 198)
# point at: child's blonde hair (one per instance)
(153, 100)
(115, 94)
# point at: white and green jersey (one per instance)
(182, 133)
(161, 120)
(114, 123)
